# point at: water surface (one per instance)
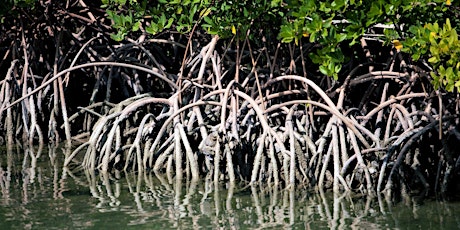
(38, 193)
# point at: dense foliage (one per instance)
(427, 29)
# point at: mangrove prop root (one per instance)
(218, 119)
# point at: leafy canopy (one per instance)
(425, 29)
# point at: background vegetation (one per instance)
(426, 30)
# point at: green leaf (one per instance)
(374, 10)
(340, 37)
(136, 26)
(117, 37)
(337, 68)
(338, 5)
(275, 3)
(442, 70)
(286, 34)
(152, 29)
(315, 58)
(447, 25)
(450, 73)
(323, 70)
(170, 22)
(208, 20)
(313, 37)
(434, 50)
(205, 12)
(453, 38)
(162, 19)
(457, 84)
(433, 59)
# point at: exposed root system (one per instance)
(143, 106)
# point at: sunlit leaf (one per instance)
(136, 26)
(205, 12)
(434, 59)
(397, 44)
(323, 70)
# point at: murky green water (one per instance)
(37, 193)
